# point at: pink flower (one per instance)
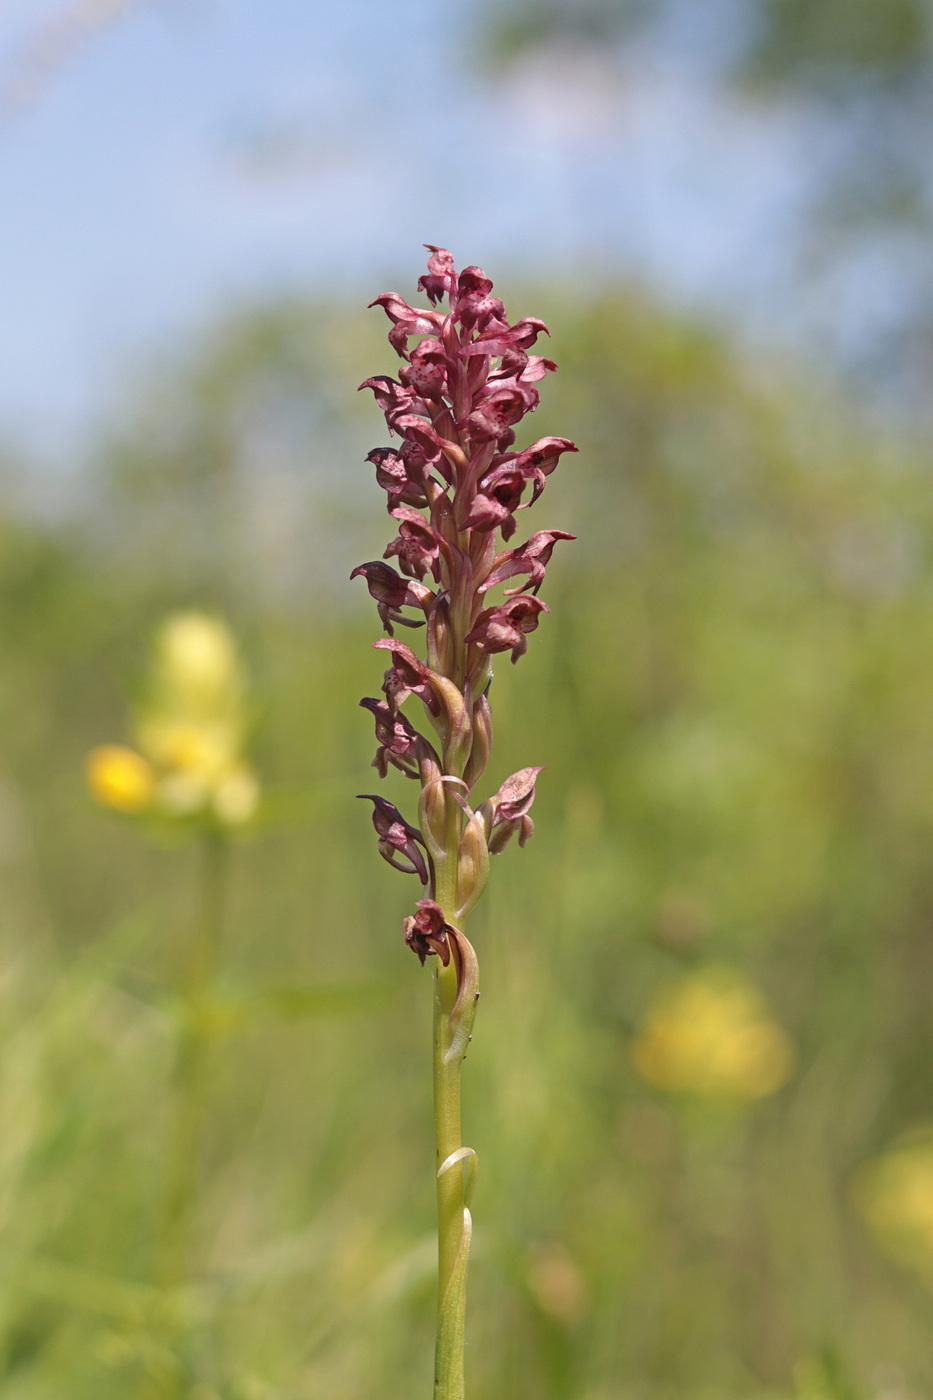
(441, 275)
(427, 372)
(417, 546)
(397, 838)
(506, 627)
(506, 814)
(427, 931)
(407, 676)
(392, 592)
(494, 505)
(396, 737)
(454, 487)
(529, 558)
(401, 477)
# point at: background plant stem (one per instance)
(174, 1259)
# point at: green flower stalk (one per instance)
(189, 776)
(454, 484)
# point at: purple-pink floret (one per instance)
(454, 483)
(397, 838)
(427, 931)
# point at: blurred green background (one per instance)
(733, 698)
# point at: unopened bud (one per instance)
(454, 724)
(482, 742)
(432, 817)
(472, 866)
(440, 643)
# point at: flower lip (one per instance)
(505, 627)
(441, 274)
(408, 675)
(417, 545)
(530, 558)
(397, 837)
(392, 592)
(427, 931)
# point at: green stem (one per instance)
(454, 1224)
(174, 1260)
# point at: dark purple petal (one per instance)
(393, 592)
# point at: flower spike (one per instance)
(454, 484)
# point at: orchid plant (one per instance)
(454, 484)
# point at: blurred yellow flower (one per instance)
(197, 671)
(712, 1034)
(894, 1194)
(120, 778)
(191, 731)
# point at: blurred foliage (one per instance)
(816, 45)
(734, 697)
(857, 75)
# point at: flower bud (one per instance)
(482, 742)
(455, 725)
(472, 866)
(440, 643)
(432, 816)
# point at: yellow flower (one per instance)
(894, 1194)
(120, 778)
(203, 750)
(237, 796)
(712, 1034)
(196, 671)
(191, 731)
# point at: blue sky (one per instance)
(193, 153)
